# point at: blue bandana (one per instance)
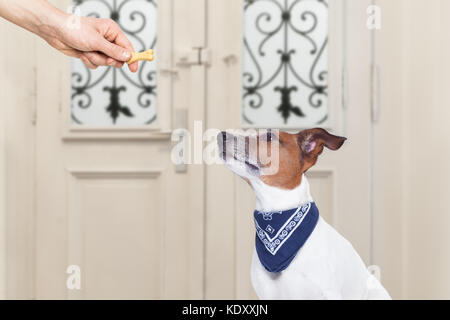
(280, 235)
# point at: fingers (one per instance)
(88, 64)
(99, 59)
(114, 63)
(72, 53)
(134, 67)
(114, 51)
(122, 40)
(119, 43)
(110, 48)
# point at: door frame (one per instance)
(3, 217)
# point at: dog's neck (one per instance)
(270, 199)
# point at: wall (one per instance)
(411, 165)
(411, 154)
(17, 104)
(388, 148)
(2, 183)
(426, 165)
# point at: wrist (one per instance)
(51, 23)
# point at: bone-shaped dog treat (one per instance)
(148, 55)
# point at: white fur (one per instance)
(327, 266)
(269, 199)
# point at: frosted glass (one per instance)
(109, 97)
(285, 67)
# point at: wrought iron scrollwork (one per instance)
(84, 81)
(286, 30)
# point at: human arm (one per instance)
(97, 42)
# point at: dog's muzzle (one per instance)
(236, 147)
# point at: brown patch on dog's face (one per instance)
(290, 168)
(297, 154)
(278, 159)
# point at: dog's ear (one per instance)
(311, 143)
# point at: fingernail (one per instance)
(127, 55)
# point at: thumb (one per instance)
(114, 51)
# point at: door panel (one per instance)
(109, 199)
(323, 188)
(17, 104)
(115, 246)
(340, 181)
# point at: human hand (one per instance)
(97, 42)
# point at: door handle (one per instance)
(170, 71)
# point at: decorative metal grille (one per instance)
(116, 97)
(285, 63)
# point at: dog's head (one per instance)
(277, 158)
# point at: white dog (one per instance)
(297, 254)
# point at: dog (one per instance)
(297, 255)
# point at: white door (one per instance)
(340, 182)
(108, 198)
